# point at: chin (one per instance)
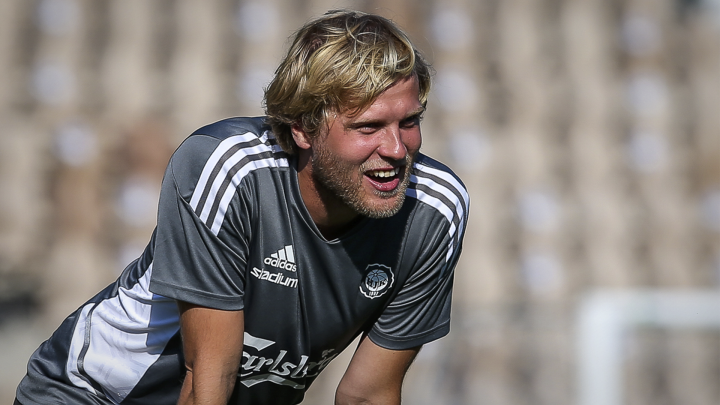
(382, 209)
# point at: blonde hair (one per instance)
(339, 62)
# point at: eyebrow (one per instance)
(359, 124)
(419, 111)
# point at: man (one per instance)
(280, 240)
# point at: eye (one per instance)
(367, 128)
(411, 122)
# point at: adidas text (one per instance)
(282, 259)
(280, 264)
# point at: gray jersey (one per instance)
(233, 233)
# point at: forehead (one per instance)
(399, 101)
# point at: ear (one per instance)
(302, 139)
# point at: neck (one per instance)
(331, 215)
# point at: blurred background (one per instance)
(588, 133)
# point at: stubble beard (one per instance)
(335, 177)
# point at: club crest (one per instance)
(378, 280)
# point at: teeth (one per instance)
(385, 173)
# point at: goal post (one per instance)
(604, 316)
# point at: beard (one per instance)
(335, 177)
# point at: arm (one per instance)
(212, 344)
(375, 375)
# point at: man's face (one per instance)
(365, 159)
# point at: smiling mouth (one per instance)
(383, 175)
(384, 180)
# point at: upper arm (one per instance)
(199, 256)
(375, 375)
(212, 346)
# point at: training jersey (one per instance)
(233, 233)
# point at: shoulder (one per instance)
(234, 126)
(438, 188)
(224, 151)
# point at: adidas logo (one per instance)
(283, 259)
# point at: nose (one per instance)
(391, 145)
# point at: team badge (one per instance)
(378, 279)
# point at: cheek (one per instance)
(344, 151)
(359, 151)
(412, 141)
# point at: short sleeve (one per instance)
(420, 312)
(190, 261)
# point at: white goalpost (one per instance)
(605, 315)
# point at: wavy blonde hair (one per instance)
(337, 63)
